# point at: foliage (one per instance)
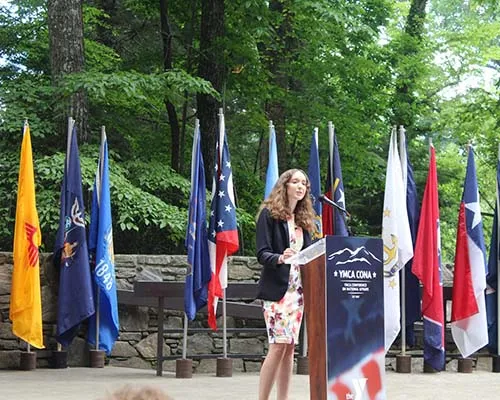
(348, 62)
(134, 209)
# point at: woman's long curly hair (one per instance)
(277, 202)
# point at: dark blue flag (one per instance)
(314, 177)
(492, 278)
(412, 285)
(102, 259)
(76, 301)
(196, 287)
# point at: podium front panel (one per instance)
(354, 318)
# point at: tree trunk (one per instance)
(65, 24)
(189, 65)
(210, 68)
(166, 35)
(404, 97)
(278, 55)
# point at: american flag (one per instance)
(222, 229)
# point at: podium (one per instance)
(343, 286)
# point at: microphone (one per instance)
(326, 200)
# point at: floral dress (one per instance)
(283, 317)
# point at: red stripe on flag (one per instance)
(212, 319)
(327, 216)
(229, 241)
(464, 303)
(32, 248)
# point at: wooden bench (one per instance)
(170, 296)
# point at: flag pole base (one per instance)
(96, 358)
(27, 361)
(59, 359)
(465, 365)
(403, 363)
(495, 363)
(429, 369)
(184, 368)
(224, 368)
(302, 365)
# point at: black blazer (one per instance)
(272, 240)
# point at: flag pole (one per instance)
(403, 270)
(271, 126)
(331, 133)
(71, 123)
(97, 314)
(98, 289)
(333, 183)
(184, 337)
(224, 330)
(222, 127)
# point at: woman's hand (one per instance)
(286, 254)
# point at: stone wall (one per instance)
(136, 345)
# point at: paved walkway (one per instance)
(94, 384)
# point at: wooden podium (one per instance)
(341, 290)
(314, 284)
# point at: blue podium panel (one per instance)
(355, 318)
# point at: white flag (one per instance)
(398, 248)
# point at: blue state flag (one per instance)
(314, 177)
(272, 173)
(102, 259)
(412, 285)
(76, 300)
(196, 287)
(492, 276)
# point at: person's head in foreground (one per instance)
(138, 393)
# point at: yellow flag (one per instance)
(25, 299)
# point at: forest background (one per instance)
(146, 69)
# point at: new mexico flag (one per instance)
(25, 300)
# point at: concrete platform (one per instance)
(93, 384)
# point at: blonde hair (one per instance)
(277, 202)
(139, 393)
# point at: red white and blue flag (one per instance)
(427, 268)
(334, 222)
(468, 314)
(222, 230)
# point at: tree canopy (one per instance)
(149, 68)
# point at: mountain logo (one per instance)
(347, 256)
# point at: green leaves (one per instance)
(133, 89)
